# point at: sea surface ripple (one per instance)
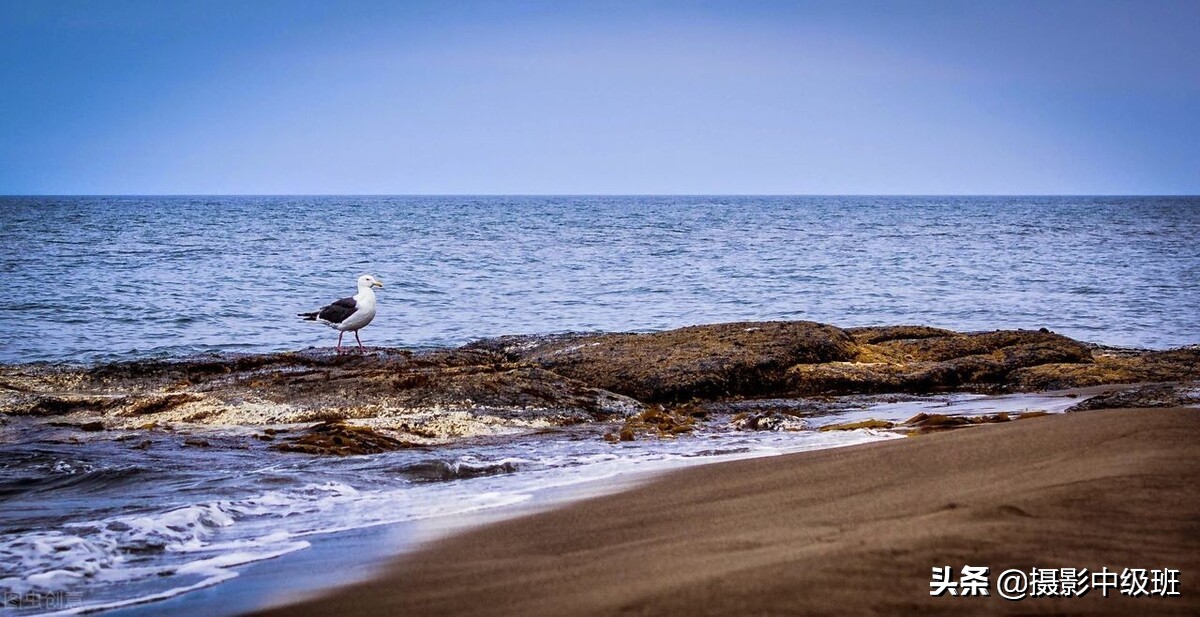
(87, 279)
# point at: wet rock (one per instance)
(1025, 347)
(341, 439)
(766, 422)
(514, 347)
(657, 383)
(439, 394)
(789, 359)
(983, 361)
(880, 334)
(154, 404)
(90, 427)
(436, 470)
(215, 367)
(861, 424)
(1157, 395)
(698, 362)
(941, 420)
(659, 422)
(511, 388)
(932, 422)
(58, 404)
(800, 408)
(1113, 367)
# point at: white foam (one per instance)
(69, 468)
(221, 577)
(44, 561)
(236, 558)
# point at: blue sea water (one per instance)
(94, 521)
(85, 279)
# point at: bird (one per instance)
(349, 314)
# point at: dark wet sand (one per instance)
(853, 531)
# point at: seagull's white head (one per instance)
(367, 281)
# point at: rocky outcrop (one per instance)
(698, 362)
(1111, 366)
(935, 360)
(340, 439)
(657, 383)
(433, 395)
(789, 359)
(1155, 395)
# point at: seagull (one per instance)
(349, 314)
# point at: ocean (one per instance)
(87, 279)
(89, 522)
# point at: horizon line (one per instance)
(9, 195)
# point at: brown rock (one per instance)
(879, 334)
(563, 379)
(698, 362)
(659, 422)
(1029, 347)
(1113, 367)
(765, 421)
(149, 405)
(850, 426)
(938, 362)
(929, 422)
(341, 439)
(90, 427)
(1156, 395)
(416, 390)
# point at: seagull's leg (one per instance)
(360, 347)
(339, 346)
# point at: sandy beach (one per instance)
(849, 531)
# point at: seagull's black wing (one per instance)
(338, 311)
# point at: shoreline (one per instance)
(359, 555)
(642, 384)
(1115, 488)
(355, 546)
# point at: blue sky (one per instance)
(264, 97)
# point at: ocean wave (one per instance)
(132, 547)
(439, 470)
(57, 474)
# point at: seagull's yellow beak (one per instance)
(377, 283)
